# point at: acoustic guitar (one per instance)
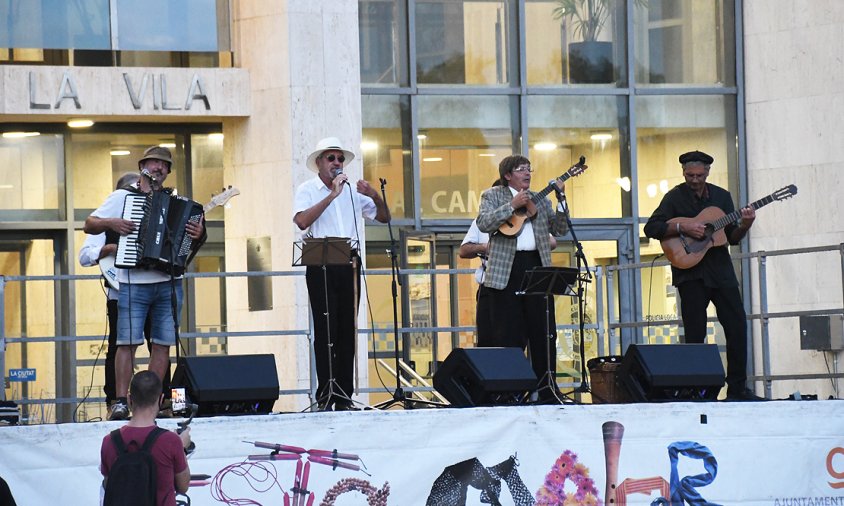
(684, 252)
(107, 263)
(515, 222)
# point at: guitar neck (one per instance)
(735, 215)
(548, 189)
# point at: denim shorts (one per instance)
(136, 301)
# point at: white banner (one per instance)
(763, 453)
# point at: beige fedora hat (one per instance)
(327, 144)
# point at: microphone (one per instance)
(339, 171)
(146, 173)
(560, 195)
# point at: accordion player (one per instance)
(159, 240)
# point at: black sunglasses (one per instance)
(331, 158)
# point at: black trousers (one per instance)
(519, 321)
(694, 299)
(111, 352)
(337, 321)
(483, 317)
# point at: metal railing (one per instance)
(763, 316)
(607, 325)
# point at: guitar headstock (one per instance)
(785, 193)
(222, 198)
(575, 170)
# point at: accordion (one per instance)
(159, 240)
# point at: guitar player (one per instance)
(713, 279)
(522, 320)
(93, 251)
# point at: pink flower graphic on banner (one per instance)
(566, 468)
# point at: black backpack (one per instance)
(132, 478)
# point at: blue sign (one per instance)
(22, 374)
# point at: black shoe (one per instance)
(344, 406)
(744, 395)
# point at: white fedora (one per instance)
(328, 144)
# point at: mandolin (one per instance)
(685, 252)
(515, 222)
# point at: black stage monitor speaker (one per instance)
(672, 372)
(484, 377)
(229, 384)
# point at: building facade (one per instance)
(434, 94)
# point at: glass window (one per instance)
(461, 141)
(561, 129)
(462, 42)
(383, 43)
(55, 24)
(32, 176)
(669, 126)
(685, 42)
(164, 25)
(575, 42)
(384, 147)
(207, 171)
(97, 161)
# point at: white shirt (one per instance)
(340, 218)
(89, 256)
(525, 241)
(113, 208)
(475, 236)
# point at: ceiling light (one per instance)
(486, 154)
(216, 137)
(433, 159)
(601, 136)
(80, 123)
(651, 189)
(168, 145)
(544, 146)
(119, 152)
(663, 186)
(19, 135)
(624, 183)
(368, 146)
(421, 137)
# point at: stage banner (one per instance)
(781, 453)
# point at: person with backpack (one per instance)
(140, 462)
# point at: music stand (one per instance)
(549, 281)
(322, 252)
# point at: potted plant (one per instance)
(589, 60)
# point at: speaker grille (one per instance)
(484, 377)
(672, 372)
(229, 384)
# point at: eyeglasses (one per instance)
(331, 158)
(523, 168)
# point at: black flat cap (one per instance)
(696, 156)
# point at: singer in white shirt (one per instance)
(326, 206)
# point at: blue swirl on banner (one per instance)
(685, 490)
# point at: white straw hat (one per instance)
(328, 144)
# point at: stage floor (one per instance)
(732, 453)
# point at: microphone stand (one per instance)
(584, 276)
(399, 396)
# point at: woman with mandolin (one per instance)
(682, 216)
(521, 319)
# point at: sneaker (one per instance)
(744, 395)
(119, 411)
